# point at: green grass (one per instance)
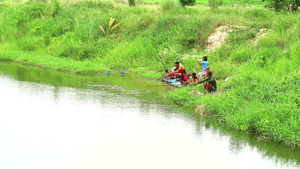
(225, 2)
(262, 96)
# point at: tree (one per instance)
(187, 2)
(294, 4)
(283, 5)
(131, 2)
(278, 5)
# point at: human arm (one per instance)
(176, 71)
(169, 73)
(201, 81)
(210, 80)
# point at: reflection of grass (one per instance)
(262, 96)
(238, 141)
(125, 85)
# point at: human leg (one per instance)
(207, 86)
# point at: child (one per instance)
(204, 64)
(169, 74)
(193, 79)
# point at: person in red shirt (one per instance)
(170, 74)
(177, 71)
(182, 77)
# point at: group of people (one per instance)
(206, 76)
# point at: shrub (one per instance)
(187, 2)
(278, 5)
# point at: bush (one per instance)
(278, 5)
(187, 2)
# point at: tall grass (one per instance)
(167, 5)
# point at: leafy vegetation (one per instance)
(283, 5)
(262, 56)
(187, 2)
(110, 27)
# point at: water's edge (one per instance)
(35, 74)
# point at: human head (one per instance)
(167, 71)
(204, 58)
(194, 75)
(208, 73)
(207, 68)
(177, 64)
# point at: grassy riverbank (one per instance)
(261, 53)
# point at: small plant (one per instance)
(111, 27)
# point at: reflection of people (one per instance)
(204, 64)
(210, 83)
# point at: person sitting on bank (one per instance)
(193, 79)
(210, 83)
(169, 74)
(208, 68)
(177, 71)
(182, 77)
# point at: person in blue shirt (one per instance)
(204, 64)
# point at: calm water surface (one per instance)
(54, 120)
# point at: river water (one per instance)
(55, 120)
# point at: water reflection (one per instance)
(94, 125)
(283, 156)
